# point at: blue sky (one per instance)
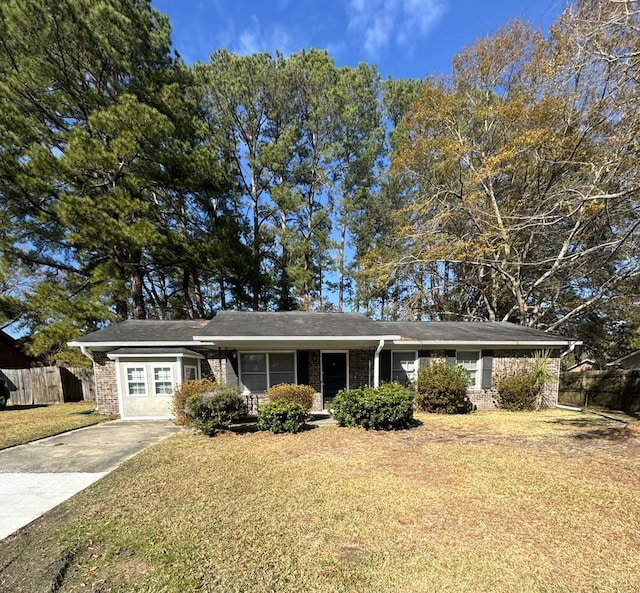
(405, 38)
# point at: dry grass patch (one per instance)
(20, 424)
(343, 510)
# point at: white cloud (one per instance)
(382, 22)
(257, 38)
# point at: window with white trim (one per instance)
(469, 360)
(261, 370)
(403, 367)
(190, 372)
(136, 380)
(162, 380)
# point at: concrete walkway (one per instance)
(38, 476)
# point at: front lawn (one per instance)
(22, 424)
(537, 502)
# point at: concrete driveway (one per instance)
(38, 476)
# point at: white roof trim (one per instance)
(116, 356)
(485, 343)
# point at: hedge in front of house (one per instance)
(388, 407)
(281, 416)
(442, 389)
(297, 394)
(183, 392)
(518, 392)
(215, 410)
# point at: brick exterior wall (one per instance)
(506, 362)
(360, 368)
(213, 367)
(106, 384)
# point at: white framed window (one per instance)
(261, 370)
(136, 377)
(403, 366)
(469, 360)
(162, 380)
(190, 372)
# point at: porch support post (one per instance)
(376, 364)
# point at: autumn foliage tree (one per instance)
(520, 176)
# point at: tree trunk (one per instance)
(137, 296)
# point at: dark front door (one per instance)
(334, 375)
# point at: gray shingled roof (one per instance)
(464, 331)
(154, 351)
(228, 324)
(291, 323)
(146, 330)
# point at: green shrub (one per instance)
(519, 391)
(288, 392)
(443, 389)
(183, 392)
(216, 410)
(389, 407)
(281, 416)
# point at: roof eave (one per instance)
(135, 344)
(493, 343)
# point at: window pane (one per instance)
(190, 373)
(137, 389)
(253, 363)
(287, 377)
(468, 360)
(163, 388)
(281, 362)
(162, 374)
(135, 374)
(255, 382)
(403, 367)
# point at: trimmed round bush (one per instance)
(443, 389)
(518, 391)
(216, 410)
(183, 392)
(281, 416)
(388, 407)
(297, 394)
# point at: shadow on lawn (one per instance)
(17, 407)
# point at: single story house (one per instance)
(138, 362)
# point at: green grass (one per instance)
(19, 424)
(542, 502)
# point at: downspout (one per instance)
(376, 364)
(85, 352)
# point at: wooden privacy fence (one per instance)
(48, 385)
(614, 389)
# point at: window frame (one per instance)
(414, 373)
(477, 384)
(144, 381)
(155, 382)
(266, 353)
(195, 372)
